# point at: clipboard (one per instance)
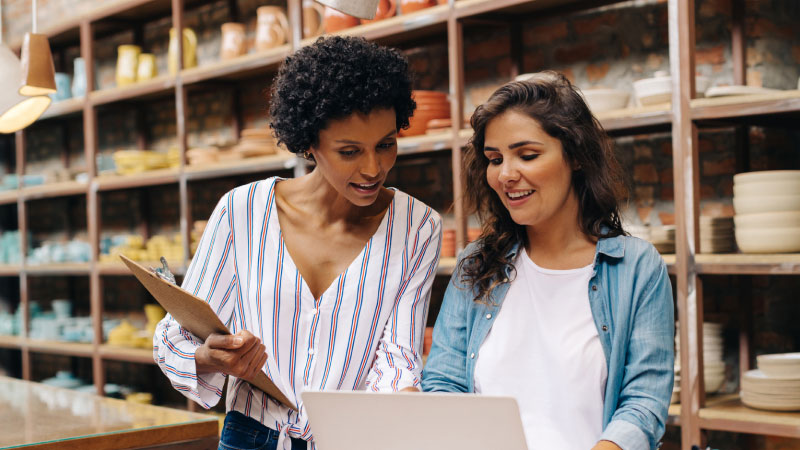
(196, 316)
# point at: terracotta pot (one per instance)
(233, 40)
(386, 9)
(272, 28)
(336, 21)
(313, 15)
(449, 243)
(409, 6)
(427, 342)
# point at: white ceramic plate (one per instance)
(768, 240)
(724, 91)
(767, 188)
(766, 175)
(754, 204)
(781, 219)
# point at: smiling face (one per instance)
(528, 171)
(355, 153)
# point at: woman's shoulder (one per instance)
(246, 192)
(638, 252)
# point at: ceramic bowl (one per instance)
(782, 219)
(658, 90)
(766, 175)
(754, 204)
(778, 187)
(600, 100)
(769, 240)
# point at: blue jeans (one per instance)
(244, 433)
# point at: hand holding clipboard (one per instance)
(196, 316)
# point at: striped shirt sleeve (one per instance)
(211, 276)
(398, 360)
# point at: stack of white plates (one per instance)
(716, 235)
(767, 208)
(663, 238)
(776, 385)
(713, 365)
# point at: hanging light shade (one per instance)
(16, 111)
(38, 73)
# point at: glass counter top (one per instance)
(33, 414)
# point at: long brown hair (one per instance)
(550, 99)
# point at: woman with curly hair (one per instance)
(555, 305)
(324, 280)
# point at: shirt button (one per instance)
(314, 311)
(594, 287)
(488, 316)
(605, 327)
(311, 351)
(472, 356)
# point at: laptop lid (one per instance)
(345, 420)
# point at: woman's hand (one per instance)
(241, 355)
(606, 445)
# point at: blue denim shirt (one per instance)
(631, 301)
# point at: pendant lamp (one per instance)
(16, 111)
(38, 73)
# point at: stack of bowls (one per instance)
(430, 105)
(663, 238)
(767, 208)
(658, 90)
(775, 385)
(716, 235)
(713, 365)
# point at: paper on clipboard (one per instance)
(195, 315)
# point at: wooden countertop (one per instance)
(38, 416)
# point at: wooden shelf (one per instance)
(128, 354)
(746, 105)
(237, 68)
(731, 415)
(10, 270)
(748, 264)
(9, 197)
(58, 269)
(426, 143)
(640, 119)
(144, 179)
(160, 86)
(10, 341)
(280, 161)
(58, 347)
(402, 27)
(63, 108)
(62, 189)
(469, 8)
(446, 266)
(119, 268)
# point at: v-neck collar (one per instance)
(380, 231)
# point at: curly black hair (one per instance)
(331, 79)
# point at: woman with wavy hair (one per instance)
(555, 305)
(324, 279)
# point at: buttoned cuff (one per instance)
(626, 435)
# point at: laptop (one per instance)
(345, 420)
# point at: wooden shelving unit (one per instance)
(682, 118)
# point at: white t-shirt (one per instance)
(544, 350)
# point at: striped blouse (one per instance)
(364, 332)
